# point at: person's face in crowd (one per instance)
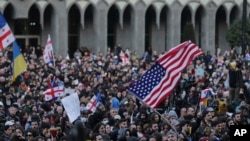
(19, 133)
(99, 138)
(172, 118)
(171, 137)
(156, 118)
(152, 139)
(46, 132)
(230, 122)
(237, 118)
(12, 111)
(101, 129)
(59, 110)
(143, 116)
(208, 117)
(34, 125)
(127, 134)
(123, 124)
(155, 127)
(34, 109)
(113, 112)
(139, 128)
(9, 131)
(190, 111)
(29, 136)
(107, 129)
(45, 119)
(85, 99)
(183, 112)
(185, 128)
(218, 128)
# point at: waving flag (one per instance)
(204, 96)
(94, 102)
(6, 35)
(160, 80)
(19, 64)
(124, 58)
(48, 52)
(53, 92)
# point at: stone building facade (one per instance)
(140, 25)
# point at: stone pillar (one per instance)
(100, 28)
(174, 25)
(138, 28)
(208, 26)
(59, 30)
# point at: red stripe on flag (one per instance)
(174, 61)
(4, 36)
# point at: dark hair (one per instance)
(97, 126)
(39, 137)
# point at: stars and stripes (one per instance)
(160, 80)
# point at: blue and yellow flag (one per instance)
(19, 64)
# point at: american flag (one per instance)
(6, 35)
(53, 92)
(160, 80)
(48, 51)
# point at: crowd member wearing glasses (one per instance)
(31, 134)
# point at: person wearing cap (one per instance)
(172, 115)
(175, 124)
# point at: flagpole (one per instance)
(162, 117)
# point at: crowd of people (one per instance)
(25, 115)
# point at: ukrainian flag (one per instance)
(19, 64)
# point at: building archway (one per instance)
(150, 24)
(113, 19)
(87, 34)
(73, 30)
(220, 30)
(187, 30)
(28, 31)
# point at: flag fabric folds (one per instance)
(160, 80)
(94, 102)
(124, 58)
(48, 52)
(6, 35)
(204, 96)
(19, 64)
(53, 92)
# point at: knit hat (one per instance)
(172, 113)
(175, 122)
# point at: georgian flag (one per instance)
(6, 35)
(48, 52)
(124, 58)
(53, 92)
